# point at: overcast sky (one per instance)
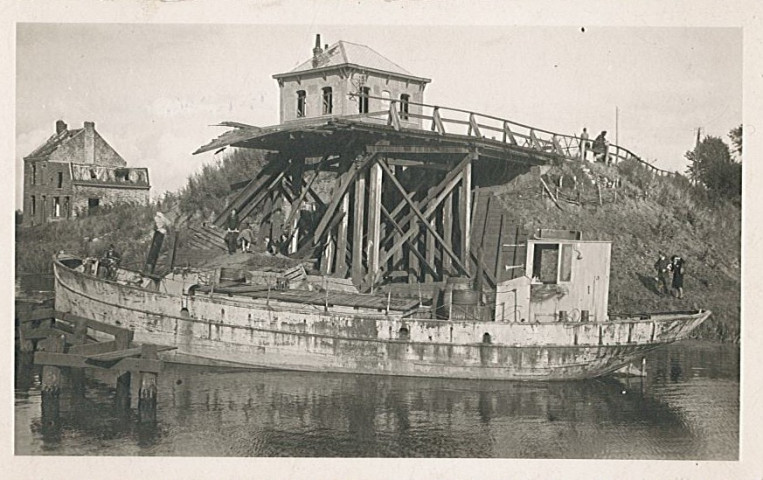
(153, 89)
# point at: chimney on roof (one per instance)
(60, 126)
(89, 148)
(317, 50)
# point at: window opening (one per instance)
(34, 174)
(363, 100)
(67, 209)
(301, 103)
(60, 179)
(404, 99)
(565, 263)
(385, 100)
(92, 204)
(328, 101)
(56, 207)
(552, 264)
(34, 206)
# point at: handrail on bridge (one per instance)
(478, 124)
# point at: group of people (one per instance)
(665, 268)
(600, 146)
(235, 238)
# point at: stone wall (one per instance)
(106, 196)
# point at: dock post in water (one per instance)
(51, 383)
(147, 392)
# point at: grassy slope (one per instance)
(649, 215)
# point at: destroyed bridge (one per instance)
(403, 205)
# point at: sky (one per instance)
(154, 90)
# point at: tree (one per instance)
(711, 165)
(735, 134)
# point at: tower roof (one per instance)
(344, 53)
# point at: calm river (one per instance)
(686, 408)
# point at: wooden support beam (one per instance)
(401, 162)
(80, 361)
(374, 220)
(341, 237)
(252, 189)
(499, 252)
(357, 230)
(422, 217)
(274, 183)
(416, 149)
(430, 246)
(412, 248)
(557, 145)
(465, 211)
(344, 182)
(447, 231)
(443, 190)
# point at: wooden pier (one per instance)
(65, 344)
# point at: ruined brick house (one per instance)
(321, 86)
(76, 171)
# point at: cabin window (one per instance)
(60, 179)
(328, 101)
(552, 263)
(363, 99)
(301, 103)
(404, 99)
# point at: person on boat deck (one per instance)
(231, 236)
(110, 262)
(663, 266)
(601, 147)
(245, 238)
(677, 264)
(584, 144)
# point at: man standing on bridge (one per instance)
(584, 144)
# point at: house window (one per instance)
(44, 207)
(385, 100)
(363, 99)
(549, 266)
(34, 174)
(33, 206)
(404, 99)
(67, 208)
(328, 101)
(301, 103)
(60, 179)
(92, 205)
(56, 207)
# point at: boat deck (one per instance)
(347, 299)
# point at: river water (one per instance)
(686, 408)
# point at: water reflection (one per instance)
(207, 412)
